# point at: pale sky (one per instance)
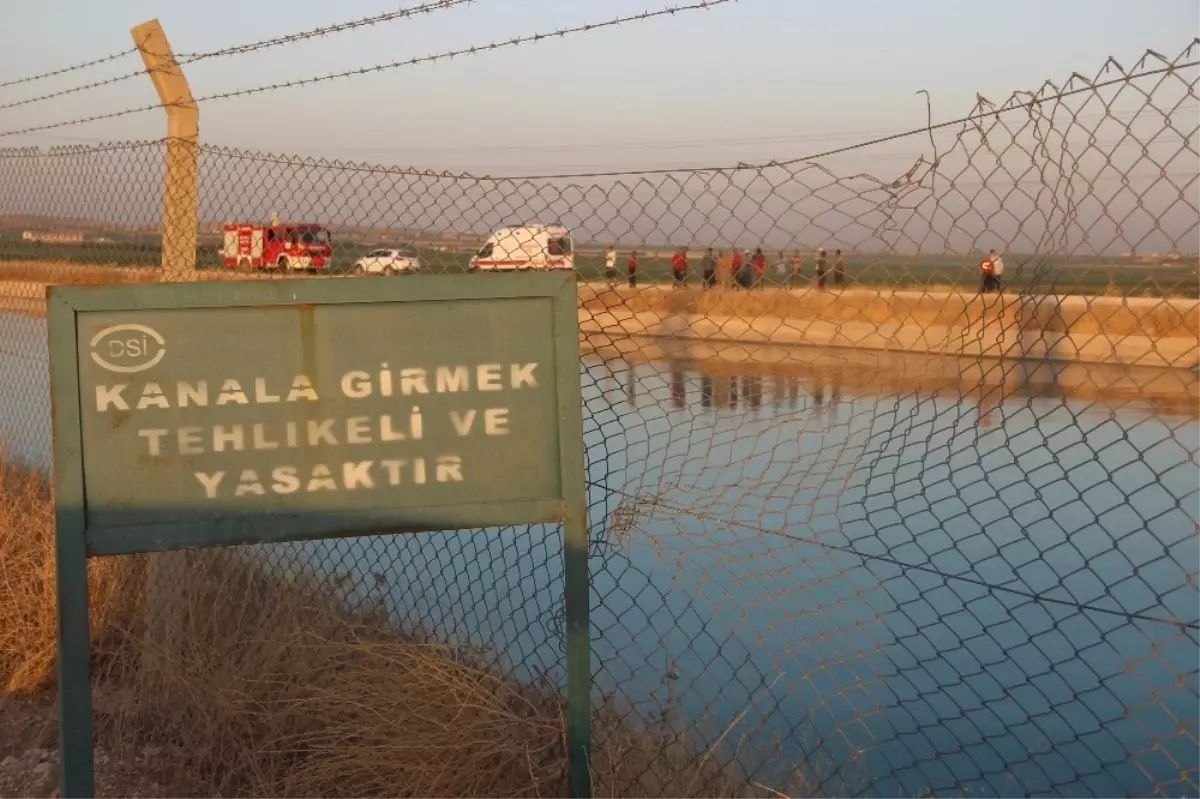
(749, 81)
(820, 73)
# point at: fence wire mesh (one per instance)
(867, 515)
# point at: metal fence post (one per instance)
(181, 189)
(166, 572)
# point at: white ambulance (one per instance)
(529, 246)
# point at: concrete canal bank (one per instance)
(1134, 331)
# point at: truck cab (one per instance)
(250, 245)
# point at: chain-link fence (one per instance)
(892, 478)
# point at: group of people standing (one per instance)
(733, 269)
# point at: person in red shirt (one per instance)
(759, 262)
(737, 268)
(632, 267)
(679, 265)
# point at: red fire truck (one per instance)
(251, 245)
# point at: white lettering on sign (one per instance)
(495, 422)
(449, 469)
(231, 391)
(189, 394)
(452, 378)
(487, 377)
(248, 484)
(355, 384)
(261, 396)
(110, 396)
(232, 437)
(261, 441)
(462, 421)
(412, 381)
(522, 375)
(190, 441)
(152, 397)
(211, 483)
(154, 440)
(313, 433)
(320, 429)
(128, 348)
(347, 476)
(196, 395)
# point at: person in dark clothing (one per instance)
(839, 269)
(745, 275)
(822, 268)
(708, 268)
(631, 266)
(987, 276)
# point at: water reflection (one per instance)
(727, 390)
(730, 390)
(861, 557)
(678, 389)
(825, 376)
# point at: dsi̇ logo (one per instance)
(128, 348)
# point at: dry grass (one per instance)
(27, 620)
(272, 689)
(74, 274)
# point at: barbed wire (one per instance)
(72, 68)
(743, 166)
(1013, 104)
(338, 27)
(1010, 105)
(473, 50)
(443, 56)
(190, 58)
(75, 89)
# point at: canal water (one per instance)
(894, 594)
(859, 585)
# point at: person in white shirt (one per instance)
(610, 265)
(997, 269)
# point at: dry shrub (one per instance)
(27, 583)
(269, 688)
(276, 691)
(273, 690)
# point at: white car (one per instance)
(388, 262)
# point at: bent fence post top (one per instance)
(181, 187)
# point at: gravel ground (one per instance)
(29, 758)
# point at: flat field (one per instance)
(1028, 273)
